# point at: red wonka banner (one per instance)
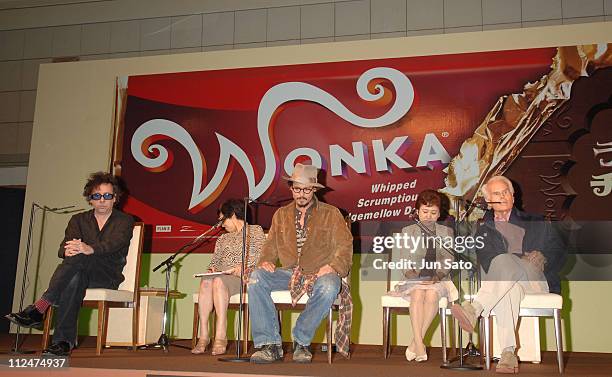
(381, 130)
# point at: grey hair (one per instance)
(497, 178)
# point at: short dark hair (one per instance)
(232, 207)
(428, 198)
(99, 178)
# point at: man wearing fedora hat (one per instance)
(311, 240)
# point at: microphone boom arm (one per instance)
(450, 251)
(168, 261)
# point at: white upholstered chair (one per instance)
(234, 304)
(127, 296)
(393, 304)
(282, 301)
(533, 305)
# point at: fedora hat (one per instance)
(305, 174)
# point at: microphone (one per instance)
(220, 222)
(480, 203)
(255, 200)
(69, 211)
(273, 201)
(484, 205)
(58, 208)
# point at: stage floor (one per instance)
(366, 361)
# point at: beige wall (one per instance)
(72, 137)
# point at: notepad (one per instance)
(209, 275)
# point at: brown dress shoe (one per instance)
(508, 363)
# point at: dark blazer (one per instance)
(110, 245)
(539, 235)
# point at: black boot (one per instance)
(28, 317)
(57, 349)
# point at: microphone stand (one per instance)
(16, 350)
(470, 349)
(459, 363)
(452, 252)
(163, 341)
(238, 358)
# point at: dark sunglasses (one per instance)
(98, 196)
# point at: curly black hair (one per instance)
(99, 178)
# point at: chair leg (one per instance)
(443, 333)
(47, 327)
(102, 326)
(386, 316)
(487, 342)
(481, 331)
(329, 336)
(196, 323)
(452, 336)
(558, 338)
(135, 324)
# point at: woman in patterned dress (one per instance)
(215, 293)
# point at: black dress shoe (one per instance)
(28, 317)
(60, 348)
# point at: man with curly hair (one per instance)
(94, 252)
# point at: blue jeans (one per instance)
(264, 319)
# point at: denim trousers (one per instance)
(264, 319)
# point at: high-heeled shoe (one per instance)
(200, 346)
(219, 347)
(421, 358)
(410, 355)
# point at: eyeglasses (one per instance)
(305, 190)
(98, 196)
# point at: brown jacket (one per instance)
(329, 240)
